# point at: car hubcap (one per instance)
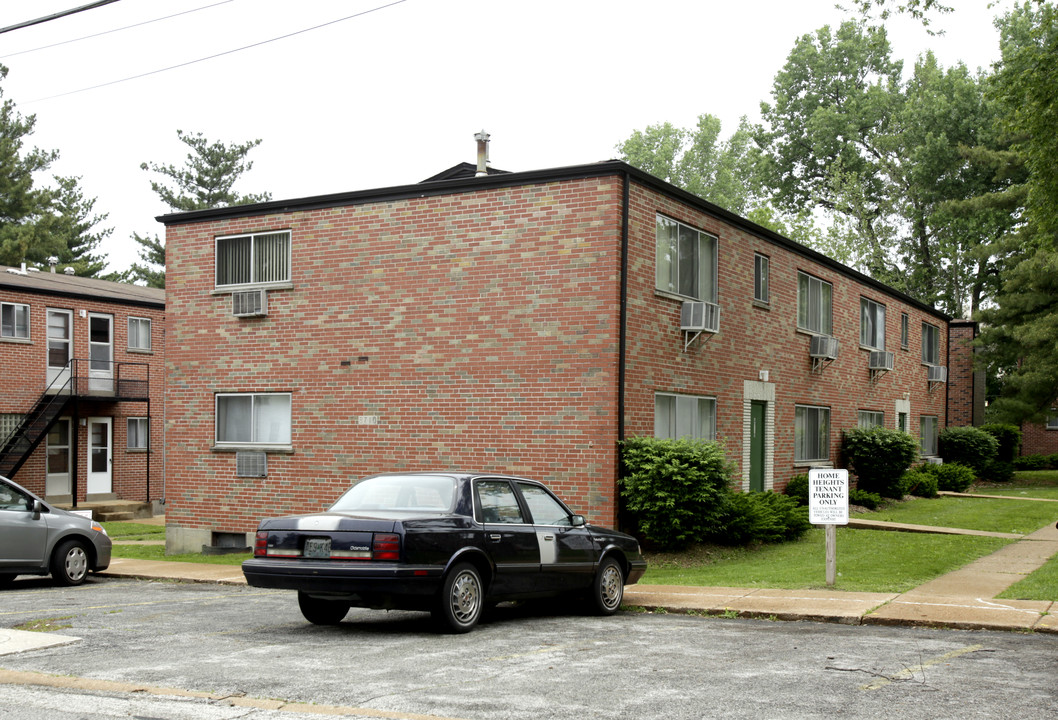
(76, 564)
(466, 596)
(611, 586)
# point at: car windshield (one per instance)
(431, 493)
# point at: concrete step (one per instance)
(113, 516)
(114, 510)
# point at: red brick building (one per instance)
(82, 387)
(517, 322)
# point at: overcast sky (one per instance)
(395, 93)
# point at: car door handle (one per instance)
(549, 537)
(495, 537)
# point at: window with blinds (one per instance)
(257, 259)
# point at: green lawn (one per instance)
(134, 531)
(1040, 585)
(1026, 483)
(867, 561)
(157, 552)
(1008, 516)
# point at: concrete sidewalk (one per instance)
(961, 599)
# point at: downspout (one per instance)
(622, 347)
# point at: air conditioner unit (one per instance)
(937, 374)
(824, 347)
(700, 317)
(880, 360)
(249, 303)
(251, 464)
(933, 460)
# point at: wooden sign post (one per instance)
(828, 505)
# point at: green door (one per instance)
(756, 445)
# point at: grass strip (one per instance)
(1008, 516)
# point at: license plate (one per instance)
(318, 548)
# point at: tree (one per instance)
(73, 226)
(205, 181)
(1018, 339)
(883, 160)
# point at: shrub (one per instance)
(879, 456)
(1052, 462)
(762, 517)
(998, 471)
(920, 483)
(797, 488)
(952, 477)
(968, 446)
(1009, 439)
(1031, 462)
(677, 490)
(869, 500)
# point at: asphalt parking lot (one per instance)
(245, 644)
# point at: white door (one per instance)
(100, 353)
(60, 347)
(100, 456)
(58, 478)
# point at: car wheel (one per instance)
(322, 612)
(609, 588)
(462, 599)
(69, 563)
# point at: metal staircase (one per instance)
(24, 439)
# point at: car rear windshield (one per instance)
(423, 493)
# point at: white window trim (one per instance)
(251, 444)
(928, 452)
(29, 320)
(150, 330)
(826, 446)
(829, 325)
(714, 270)
(146, 422)
(936, 332)
(698, 399)
(253, 283)
(876, 307)
(762, 278)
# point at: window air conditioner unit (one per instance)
(700, 317)
(937, 374)
(251, 464)
(933, 460)
(249, 303)
(880, 360)
(824, 347)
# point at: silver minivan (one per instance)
(37, 539)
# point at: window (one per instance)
(927, 426)
(253, 418)
(901, 422)
(871, 419)
(930, 344)
(137, 435)
(253, 259)
(872, 324)
(545, 509)
(59, 448)
(1052, 419)
(498, 502)
(686, 260)
(139, 333)
(813, 304)
(9, 422)
(14, 320)
(811, 433)
(684, 416)
(760, 278)
(905, 331)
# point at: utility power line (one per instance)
(107, 32)
(216, 55)
(56, 16)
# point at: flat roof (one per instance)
(59, 284)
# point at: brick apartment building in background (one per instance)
(519, 323)
(82, 386)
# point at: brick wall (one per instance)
(478, 328)
(25, 378)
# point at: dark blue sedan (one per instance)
(449, 543)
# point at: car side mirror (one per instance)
(37, 509)
(577, 521)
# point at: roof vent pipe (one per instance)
(483, 153)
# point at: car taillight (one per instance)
(260, 546)
(385, 546)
